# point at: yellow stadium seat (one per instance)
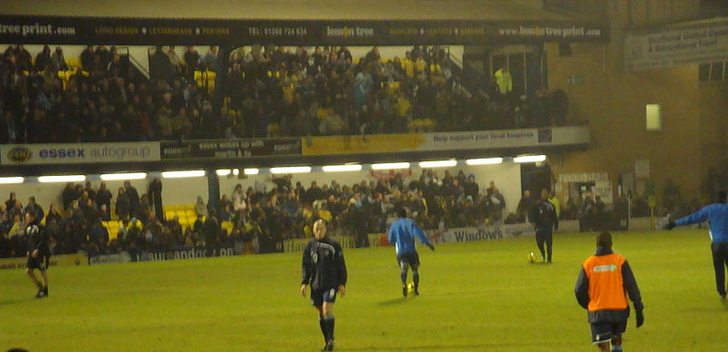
(227, 225)
(73, 63)
(190, 213)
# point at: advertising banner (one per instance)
(123, 257)
(464, 234)
(468, 234)
(182, 253)
(167, 31)
(475, 140)
(56, 260)
(231, 148)
(299, 244)
(78, 153)
(697, 44)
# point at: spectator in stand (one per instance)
(504, 81)
(211, 232)
(154, 193)
(24, 59)
(133, 196)
(88, 58)
(35, 208)
(90, 190)
(524, 205)
(200, 207)
(123, 207)
(557, 204)
(43, 59)
(58, 60)
(10, 203)
(210, 59)
(103, 198)
(174, 59)
(471, 187)
(496, 203)
(192, 61)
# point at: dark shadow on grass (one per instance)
(9, 302)
(477, 347)
(393, 301)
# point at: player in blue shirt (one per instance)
(402, 234)
(717, 216)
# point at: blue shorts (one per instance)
(605, 331)
(318, 296)
(412, 259)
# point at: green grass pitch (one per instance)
(477, 296)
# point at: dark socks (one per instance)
(403, 277)
(329, 325)
(416, 278)
(324, 329)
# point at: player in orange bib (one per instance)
(604, 282)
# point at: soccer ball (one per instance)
(410, 287)
(531, 258)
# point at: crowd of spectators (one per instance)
(269, 92)
(281, 91)
(103, 100)
(260, 218)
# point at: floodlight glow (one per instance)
(223, 172)
(341, 168)
(484, 161)
(530, 159)
(66, 178)
(11, 180)
(290, 170)
(438, 163)
(236, 172)
(183, 174)
(124, 176)
(391, 166)
(251, 171)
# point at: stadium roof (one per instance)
(292, 9)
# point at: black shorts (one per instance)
(605, 331)
(40, 263)
(412, 259)
(319, 296)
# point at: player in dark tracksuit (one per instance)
(324, 269)
(542, 216)
(38, 253)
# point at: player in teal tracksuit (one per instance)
(717, 216)
(402, 234)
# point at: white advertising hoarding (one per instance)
(688, 45)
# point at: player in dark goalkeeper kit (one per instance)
(542, 216)
(324, 269)
(38, 253)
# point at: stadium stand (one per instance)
(274, 92)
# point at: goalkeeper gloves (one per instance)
(640, 318)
